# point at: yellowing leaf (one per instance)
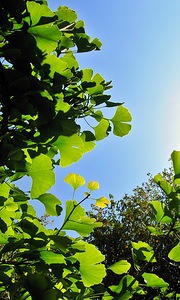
(93, 185)
(102, 202)
(75, 180)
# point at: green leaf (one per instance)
(166, 187)
(37, 11)
(120, 267)
(75, 180)
(154, 281)
(126, 284)
(5, 189)
(158, 209)
(52, 258)
(57, 65)
(72, 149)
(46, 36)
(77, 220)
(175, 156)
(51, 203)
(66, 14)
(120, 119)
(101, 130)
(42, 175)
(10, 205)
(91, 270)
(87, 75)
(71, 61)
(174, 254)
(28, 227)
(143, 251)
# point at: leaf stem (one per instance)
(68, 217)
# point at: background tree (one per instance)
(130, 219)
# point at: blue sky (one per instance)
(141, 55)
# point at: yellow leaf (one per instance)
(102, 202)
(75, 180)
(93, 185)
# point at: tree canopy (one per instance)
(130, 220)
(44, 95)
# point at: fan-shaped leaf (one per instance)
(75, 180)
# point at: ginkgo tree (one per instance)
(44, 95)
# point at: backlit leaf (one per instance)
(75, 180)
(120, 267)
(72, 149)
(42, 175)
(175, 156)
(47, 36)
(101, 130)
(91, 270)
(154, 281)
(93, 185)
(102, 202)
(51, 203)
(77, 220)
(52, 258)
(167, 188)
(158, 209)
(38, 11)
(57, 65)
(143, 251)
(120, 121)
(66, 14)
(174, 254)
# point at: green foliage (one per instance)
(44, 92)
(140, 235)
(43, 97)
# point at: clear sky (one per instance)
(141, 55)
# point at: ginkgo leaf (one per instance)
(40, 10)
(101, 130)
(143, 251)
(76, 219)
(91, 270)
(174, 254)
(52, 258)
(72, 148)
(93, 185)
(120, 267)
(120, 121)
(158, 209)
(154, 281)
(175, 156)
(75, 180)
(51, 203)
(42, 175)
(102, 202)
